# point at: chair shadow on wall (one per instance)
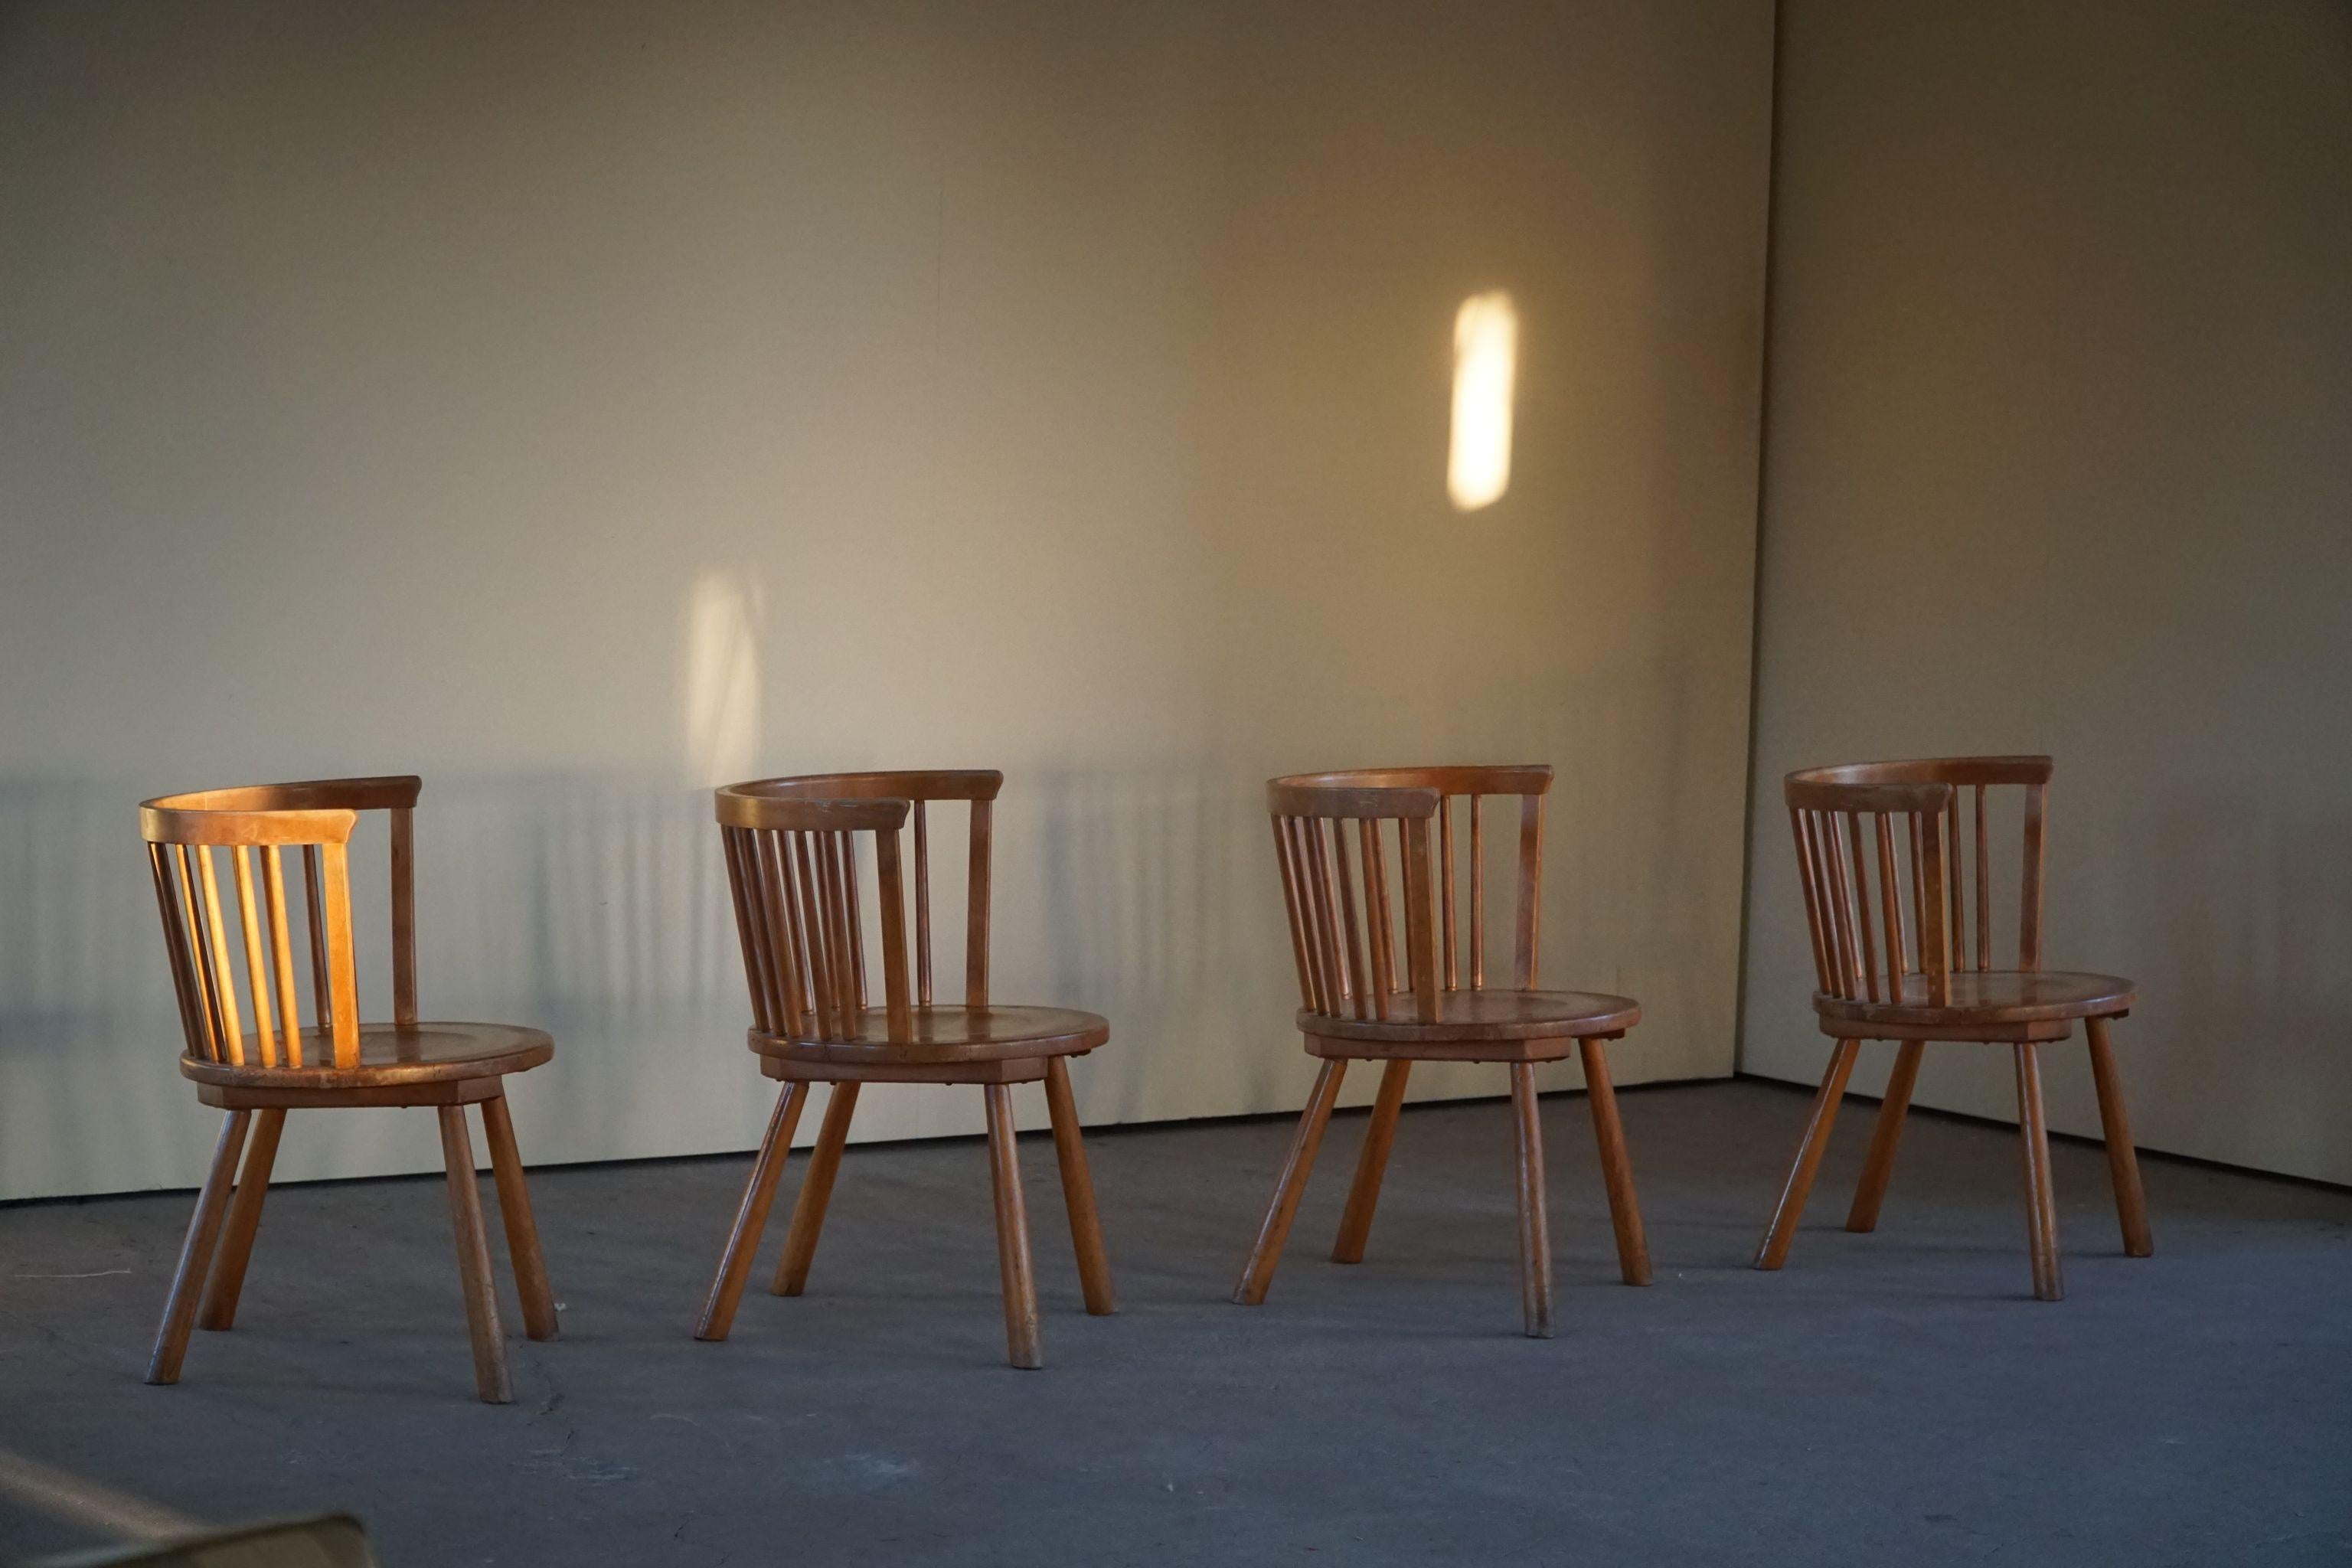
(82, 976)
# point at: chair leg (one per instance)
(1379, 1135)
(474, 1259)
(816, 1192)
(1535, 1218)
(1880, 1165)
(1012, 1232)
(244, 1218)
(539, 1319)
(2041, 1202)
(2123, 1161)
(1257, 1274)
(196, 1252)
(1616, 1166)
(1782, 1230)
(1078, 1191)
(752, 1215)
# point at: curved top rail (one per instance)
(737, 807)
(935, 783)
(313, 811)
(1958, 771)
(1508, 778)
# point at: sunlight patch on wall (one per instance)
(720, 678)
(1485, 366)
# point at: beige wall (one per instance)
(2060, 458)
(578, 404)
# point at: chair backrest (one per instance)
(259, 823)
(792, 863)
(1926, 863)
(1345, 917)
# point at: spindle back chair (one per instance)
(1370, 866)
(230, 945)
(1897, 866)
(793, 865)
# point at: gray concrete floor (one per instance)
(1889, 1398)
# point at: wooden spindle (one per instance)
(1335, 977)
(1290, 905)
(1890, 901)
(1809, 882)
(257, 973)
(854, 912)
(403, 917)
(922, 906)
(1530, 909)
(1984, 888)
(1376, 913)
(1354, 952)
(848, 1004)
(730, 847)
(786, 978)
(2029, 924)
(183, 988)
(808, 931)
(1919, 899)
(1477, 895)
(1445, 903)
(281, 951)
(976, 940)
(323, 1000)
(1419, 957)
(342, 975)
(1866, 944)
(224, 978)
(1310, 908)
(889, 895)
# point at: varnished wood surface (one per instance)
(1895, 864)
(391, 1057)
(217, 860)
(949, 1035)
(1478, 1015)
(797, 853)
(1993, 996)
(1392, 963)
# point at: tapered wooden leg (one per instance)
(1012, 1232)
(474, 1259)
(523, 1231)
(816, 1192)
(2123, 1161)
(196, 1252)
(244, 1218)
(752, 1215)
(1379, 1136)
(1616, 1166)
(1880, 1165)
(2040, 1201)
(1535, 1218)
(1791, 1206)
(1257, 1274)
(1078, 1191)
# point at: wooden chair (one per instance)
(257, 1073)
(793, 864)
(1884, 976)
(1347, 920)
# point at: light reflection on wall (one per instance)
(720, 677)
(1486, 366)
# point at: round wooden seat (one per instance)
(1992, 998)
(1470, 1019)
(949, 1037)
(391, 1057)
